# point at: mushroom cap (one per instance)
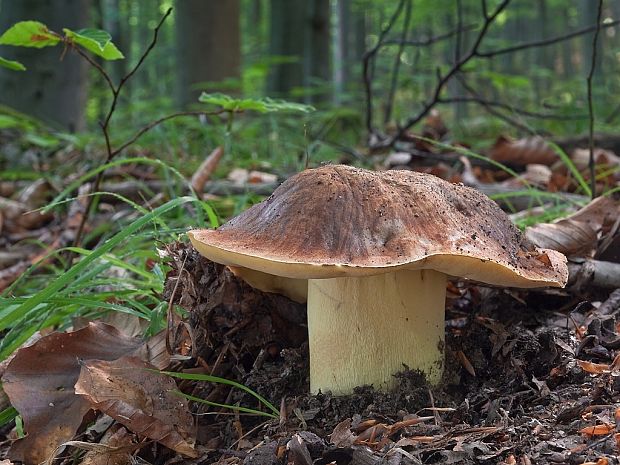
(338, 220)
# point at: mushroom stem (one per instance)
(363, 329)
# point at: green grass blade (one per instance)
(66, 278)
(7, 415)
(228, 406)
(216, 379)
(571, 167)
(95, 171)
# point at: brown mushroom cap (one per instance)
(338, 220)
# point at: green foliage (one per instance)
(263, 105)
(95, 41)
(36, 34)
(7, 415)
(29, 34)
(10, 64)
(227, 382)
(22, 317)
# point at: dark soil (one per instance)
(518, 387)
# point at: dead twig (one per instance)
(549, 41)
(505, 106)
(396, 66)
(442, 80)
(367, 60)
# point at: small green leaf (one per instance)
(14, 65)
(263, 105)
(29, 34)
(96, 41)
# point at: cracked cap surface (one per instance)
(338, 220)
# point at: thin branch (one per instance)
(396, 68)
(366, 69)
(111, 153)
(430, 40)
(157, 122)
(511, 108)
(546, 42)
(485, 12)
(591, 163)
(95, 65)
(492, 110)
(147, 51)
(443, 80)
(130, 74)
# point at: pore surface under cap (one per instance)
(343, 221)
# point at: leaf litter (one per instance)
(532, 377)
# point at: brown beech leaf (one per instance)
(523, 151)
(342, 435)
(39, 382)
(594, 368)
(120, 446)
(567, 236)
(597, 430)
(141, 399)
(578, 233)
(601, 212)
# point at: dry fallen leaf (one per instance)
(594, 368)
(39, 382)
(523, 152)
(577, 234)
(140, 398)
(121, 445)
(597, 430)
(342, 435)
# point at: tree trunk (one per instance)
(53, 90)
(208, 46)
(318, 69)
(342, 48)
(300, 35)
(287, 41)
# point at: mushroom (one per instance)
(375, 249)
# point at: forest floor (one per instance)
(532, 376)
(528, 380)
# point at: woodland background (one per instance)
(313, 51)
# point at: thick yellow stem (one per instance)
(362, 330)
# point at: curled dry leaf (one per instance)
(523, 151)
(342, 435)
(597, 430)
(141, 399)
(40, 384)
(594, 368)
(577, 234)
(572, 238)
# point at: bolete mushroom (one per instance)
(375, 249)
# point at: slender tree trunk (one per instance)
(342, 48)
(300, 35)
(318, 69)
(287, 42)
(52, 90)
(208, 46)
(567, 50)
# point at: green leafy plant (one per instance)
(262, 105)
(38, 35)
